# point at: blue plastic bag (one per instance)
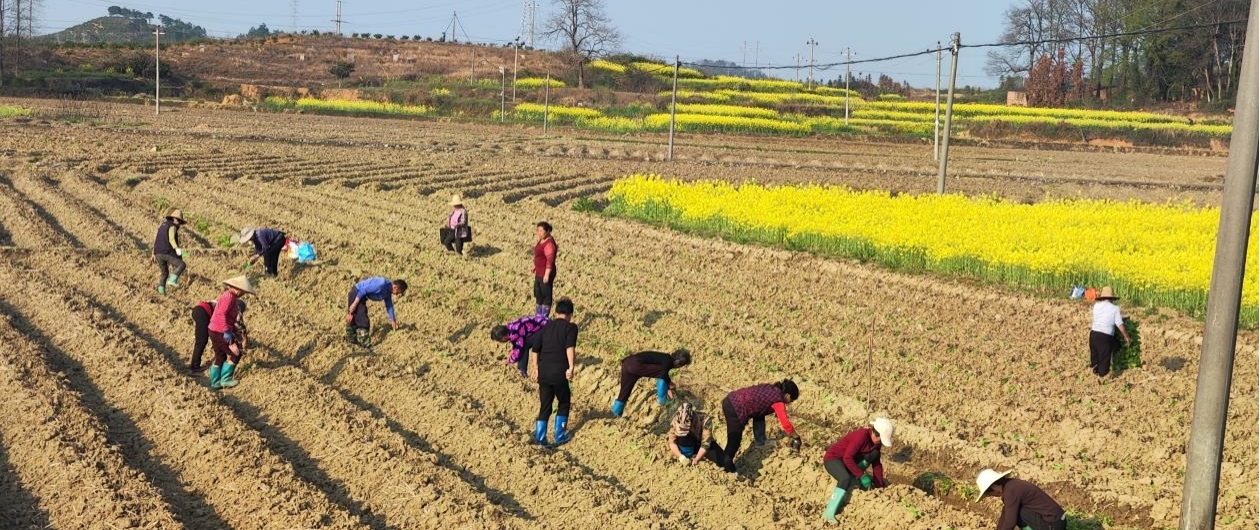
(1078, 292)
(305, 253)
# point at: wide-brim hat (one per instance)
(985, 479)
(456, 200)
(1106, 294)
(885, 428)
(245, 235)
(175, 213)
(241, 282)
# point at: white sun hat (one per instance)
(885, 428)
(986, 479)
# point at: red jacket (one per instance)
(545, 257)
(851, 446)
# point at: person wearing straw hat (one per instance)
(225, 336)
(268, 244)
(1102, 331)
(753, 404)
(201, 314)
(850, 457)
(457, 232)
(167, 253)
(1024, 505)
(358, 327)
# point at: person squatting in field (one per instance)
(456, 231)
(167, 253)
(515, 333)
(851, 456)
(358, 326)
(227, 340)
(652, 364)
(201, 314)
(691, 439)
(552, 357)
(1024, 505)
(268, 244)
(1102, 332)
(544, 267)
(754, 403)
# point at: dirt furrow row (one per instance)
(25, 223)
(76, 218)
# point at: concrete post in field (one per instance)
(673, 106)
(812, 44)
(936, 123)
(546, 102)
(1220, 324)
(502, 94)
(516, 59)
(157, 70)
(949, 114)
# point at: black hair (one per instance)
(499, 333)
(788, 387)
(564, 306)
(681, 357)
(240, 305)
(1000, 482)
(545, 226)
(402, 286)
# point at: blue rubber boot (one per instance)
(227, 381)
(759, 431)
(216, 374)
(662, 392)
(833, 506)
(618, 408)
(540, 432)
(562, 434)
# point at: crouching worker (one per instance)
(358, 327)
(649, 364)
(516, 333)
(849, 459)
(552, 357)
(226, 338)
(753, 404)
(690, 439)
(1024, 505)
(201, 314)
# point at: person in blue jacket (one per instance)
(268, 244)
(375, 288)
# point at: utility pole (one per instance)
(798, 67)
(812, 44)
(673, 106)
(848, 62)
(1220, 324)
(546, 103)
(757, 55)
(949, 113)
(157, 70)
(502, 93)
(338, 20)
(936, 124)
(293, 8)
(516, 54)
(743, 48)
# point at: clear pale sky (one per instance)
(742, 31)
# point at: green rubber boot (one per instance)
(161, 289)
(216, 375)
(227, 381)
(173, 280)
(833, 506)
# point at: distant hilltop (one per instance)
(126, 26)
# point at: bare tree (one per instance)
(583, 30)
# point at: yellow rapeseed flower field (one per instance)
(1157, 254)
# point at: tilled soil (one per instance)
(429, 429)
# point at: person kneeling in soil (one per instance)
(224, 333)
(755, 403)
(268, 244)
(201, 314)
(1024, 505)
(516, 333)
(358, 326)
(167, 253)
(552, 358)
(649, 364)
(851, 456)
(690, 439)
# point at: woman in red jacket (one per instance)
(754, 404)
(849, 458)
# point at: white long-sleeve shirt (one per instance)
(1106, 317)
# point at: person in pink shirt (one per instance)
(224, 333)
(457, 231)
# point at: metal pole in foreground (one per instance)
(502, 93)
(546, 102)
(936, 124)
(673, 104)
(949, 114)
(1220, 324)
(157, 70)
(516, 61)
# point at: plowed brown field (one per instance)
(103, 428)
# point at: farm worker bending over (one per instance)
(167, 253)
(268, 244)
(1102, 332)
(229, 342)
(376, 288)
(544, 267)
(755, 403)
(551, 361)
(1024, 505)
(690, 439)
(649, 364)
(515, 333)
(201, 314)
(457, 230)
(849, 458)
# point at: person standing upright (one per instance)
(552, 357)
(457, 229)
(268, 244)
(1102, 332)
(167, 253)
(544, 268)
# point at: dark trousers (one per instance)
(628, 381)
(167, 264)
(221, 350)
(1036, 521)
(201, 330)
(840, 472)
(713, 453)
(451, 240)
(542, 290)
(1101, 347)
(734, 432)
(548, 392)
(360, 313)
(522, 362)
(271, 258)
